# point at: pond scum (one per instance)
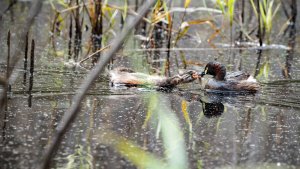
(154, 26)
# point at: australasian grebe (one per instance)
(236, 81)
(127, 77)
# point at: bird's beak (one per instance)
(196, 75)
(202, 74)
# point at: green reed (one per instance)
(266, 13)
(227, 8)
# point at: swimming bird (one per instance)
(235, 81)
(130, 78)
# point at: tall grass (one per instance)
(227, 8)
(266, 13)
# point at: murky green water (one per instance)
(220, 130)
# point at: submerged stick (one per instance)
(31, 70)
(5, 85)
(72, 112)
(6, 89)
(257, 67)
(8, 60)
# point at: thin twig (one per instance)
(100, 50)
(72, 112)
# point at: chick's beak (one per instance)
(196, 75)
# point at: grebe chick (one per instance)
(127, 77)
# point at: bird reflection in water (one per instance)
(212, 107)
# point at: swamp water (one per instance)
(186, 127)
